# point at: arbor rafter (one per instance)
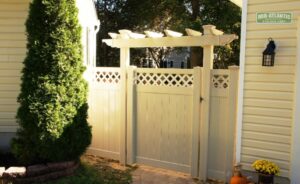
(211, 36)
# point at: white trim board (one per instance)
(238, 3)
(295, 159)
(238, 138)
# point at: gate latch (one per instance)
(201, 99)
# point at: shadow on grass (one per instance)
(91, 174)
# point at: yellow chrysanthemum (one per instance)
(265, 167)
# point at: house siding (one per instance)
(269, 91)
(13, 15)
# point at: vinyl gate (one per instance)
(162, 127)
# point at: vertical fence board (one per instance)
(232, 119)
(222, 123)
(104, 112)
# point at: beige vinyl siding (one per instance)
(269, 92)
(13, 14)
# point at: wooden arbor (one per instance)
(211, 37)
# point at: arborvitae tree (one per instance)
(53, 99)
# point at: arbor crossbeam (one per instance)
(185, 41)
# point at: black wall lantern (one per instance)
(269, 54)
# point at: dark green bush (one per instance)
(53, 108)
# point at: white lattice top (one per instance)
(164, 79)
(220, 81)
(106, 76)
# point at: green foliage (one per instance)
(138, 16)
(53, 109)
(158, 15)
(227, 17)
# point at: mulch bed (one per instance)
(109, 169)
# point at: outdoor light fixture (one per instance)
(269, 54)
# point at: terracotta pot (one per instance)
(265, 179)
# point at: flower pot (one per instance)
(265, 179)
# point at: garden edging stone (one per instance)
(2, 170)
(14, 172)
(36, 170)
(38, 173)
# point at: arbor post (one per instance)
(131, 110)
(124, 63)
(208, 56)
(196, 120)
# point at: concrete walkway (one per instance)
(150, 175)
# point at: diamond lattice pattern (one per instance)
(165, 79)
(107, 77)
(220, 81)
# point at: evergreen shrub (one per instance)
(53, 101)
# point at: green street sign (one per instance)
(274, 18)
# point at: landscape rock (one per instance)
(2, 170)
(15, 172)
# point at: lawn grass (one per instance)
(92, 170)
(89, 173)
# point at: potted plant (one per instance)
(266, 171)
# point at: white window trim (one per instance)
(238, 139)
(295, 158)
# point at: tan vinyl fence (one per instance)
(223, 108)
(104, 111)
(163, 118)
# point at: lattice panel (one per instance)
(165, 79)
(220, 81)
(107, 77)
